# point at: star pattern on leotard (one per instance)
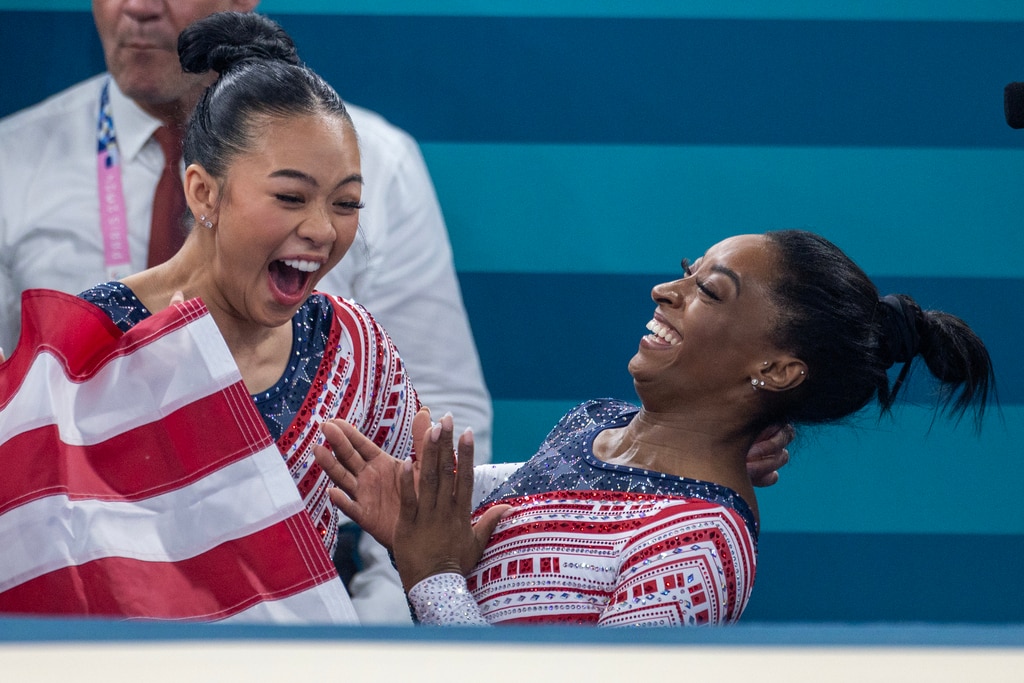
(119, 303)
(565, 462)
(310, 328)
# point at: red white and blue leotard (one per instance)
(588, 542)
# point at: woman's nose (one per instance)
(668, 293)
(318, 228)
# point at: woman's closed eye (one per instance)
(349, 205)
(701, 285)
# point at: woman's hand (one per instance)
(434, 534)
(368, 478)
(769, 454)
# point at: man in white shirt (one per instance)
(400, 267)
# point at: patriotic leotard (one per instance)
(589, 542)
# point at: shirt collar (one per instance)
(133, 126)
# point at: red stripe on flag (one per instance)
(273, 563)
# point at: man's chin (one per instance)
(159, 90)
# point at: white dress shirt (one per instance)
(400, 266)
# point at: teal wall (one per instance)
(580, 152)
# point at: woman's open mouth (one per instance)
(291, 276)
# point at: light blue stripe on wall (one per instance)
(956, 10)
(520, 426)
(905, 475)
(634, 209)
(889, 477)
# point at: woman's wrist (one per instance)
(444, 600)
(412, 575)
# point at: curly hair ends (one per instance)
(958, 358)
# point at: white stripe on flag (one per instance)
(327, 603)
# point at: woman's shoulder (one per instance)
(119, 302)
(715, 505)
(106, 291)
(354, 320)
(602, 410)
(595, 412)
(339, 306)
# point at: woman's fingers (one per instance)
(343, 493)
(464, 473)
(420, 429)
(434, 463)
(434, 533)
(409, 501)
(341, 461)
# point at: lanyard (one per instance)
(113, 216)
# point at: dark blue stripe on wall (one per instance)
(675, 81)
(566, 336)
(614, 80)
(43, 53)
(888, 577)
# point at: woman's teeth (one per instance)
(304, 266)
(664, 332)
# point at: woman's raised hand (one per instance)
(434, 534)
(366, 477)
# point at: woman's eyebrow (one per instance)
(310, 180)
(729, 272)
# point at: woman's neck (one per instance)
(261, 353)
(700, 447)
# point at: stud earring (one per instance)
(753, 383)
(761, 383)
(205, 221)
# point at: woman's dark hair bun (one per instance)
(220, 41)
(900, 318)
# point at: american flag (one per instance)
(139, 481)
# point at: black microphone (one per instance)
(1013, 104)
